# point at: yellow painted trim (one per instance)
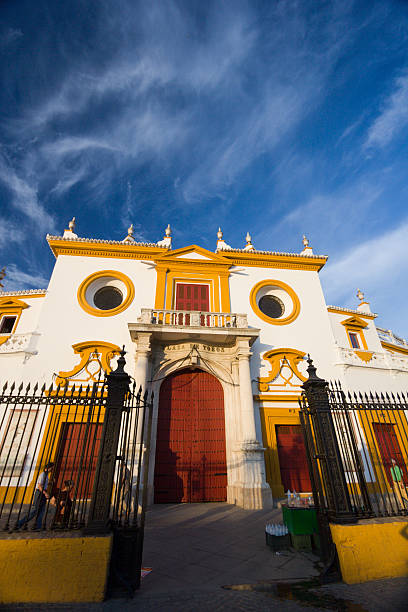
(225, 293)
(344, 311)
(114, 311)
(275, 357)
(160, 287)
(355, 322)
(10, 307)
(371, 550)
(274, 260)
(364, 355)
(25, 296)
(98, 249)
(173, 257)
(394, 348)
(85, 349)
(54, 570)
(273, 397)
(296, 302)
(270, 417)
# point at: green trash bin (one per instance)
(300, 521)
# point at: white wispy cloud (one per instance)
(394, 115)
(9, 233)
(24, 195)
(373, 265)
(17, 279)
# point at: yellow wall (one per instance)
(71, 569)
(372, 550)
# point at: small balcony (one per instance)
(175, 325)
(191, 318)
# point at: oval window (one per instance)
(107, 298)
(271, 306)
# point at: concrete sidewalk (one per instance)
(196, 550)
(193, 545)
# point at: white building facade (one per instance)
(220, 337)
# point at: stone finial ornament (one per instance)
(166, 242)
(2, 275)
(364, 306)
(221, 244)
(69, 233)
(129, 238)
(249, 246)
(307, 248)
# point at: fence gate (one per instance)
(357, 453)
(88, 447)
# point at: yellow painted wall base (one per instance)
(372, 549)
(62, 569)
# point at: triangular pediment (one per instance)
(193, 253)
(12, 303)
(354, 322)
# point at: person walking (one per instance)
(40, 499)
(398, 485)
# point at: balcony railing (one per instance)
(190, 318)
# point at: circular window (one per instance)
(271, 306)
(275, 302)
(106, 293)
(107, 298)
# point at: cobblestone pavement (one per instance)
(196, 550)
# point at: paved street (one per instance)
(196, 550)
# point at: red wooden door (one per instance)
(389, 449)
(76, 441)
(190, 446)
(192, 297)
(292, 458)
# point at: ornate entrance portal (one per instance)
(190, 448)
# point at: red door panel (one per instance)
(389, 449)
(292, 458)
(190, 447)
(77, 456)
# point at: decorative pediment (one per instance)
(355, 322)
(12, 303)
(192, 253)
(94, 364)
(285, 374)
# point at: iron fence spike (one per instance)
(50, 388)
(43, 388)
(5, 386)
(145, 396)
(35, 388)
(20, 387)
(27, 388)
(13, 386)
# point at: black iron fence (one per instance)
(74, 457)
(357, 448)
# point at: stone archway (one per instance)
(190, 461)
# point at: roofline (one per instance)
(359, 313)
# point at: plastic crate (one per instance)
(300, 521)
(301, 542)
(277, 542)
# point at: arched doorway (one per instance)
(190, 446)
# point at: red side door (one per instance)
(389, 449)
(77, 456)
(292, 458)
(190, 445)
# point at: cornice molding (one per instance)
(92, 247)
(28, 293)
(346, 311)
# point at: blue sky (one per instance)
(280, 118)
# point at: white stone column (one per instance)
(142, 357)
(142, 377)
(255, 492)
